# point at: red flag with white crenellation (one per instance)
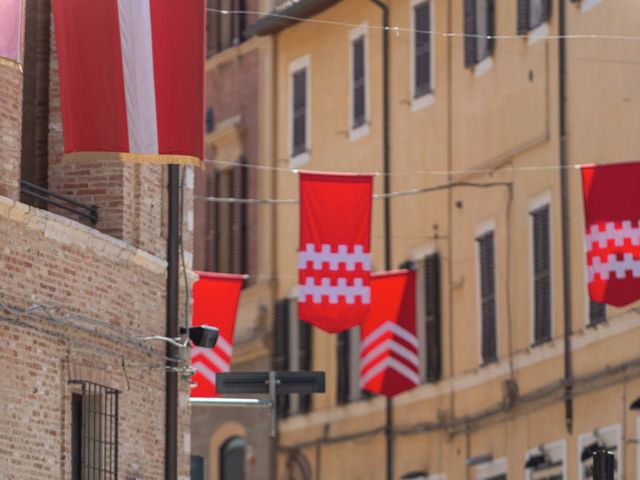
(132, 79)
(215, 303)
(389, 360)
(612, 237)
(11, 29)
(334, 257)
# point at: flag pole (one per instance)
(171, 413)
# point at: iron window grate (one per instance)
(95, 432)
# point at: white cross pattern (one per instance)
(349, 259)
(334, 292)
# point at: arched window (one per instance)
(232, 455)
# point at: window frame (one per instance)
(491, 469)
(359, 131)
(428, 98)
(294, 357)
(557, 451)
(479, 65)
(295, 66)
(483, 228)
(539, 201)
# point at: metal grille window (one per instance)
(422, 49)
(433, 317)
(597, 313)
(479, 28)
(541, 275)
(299, 120)
(486, 252)
(532, 14)
(359, 82)
(94, 432)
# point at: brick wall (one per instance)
(10, 125)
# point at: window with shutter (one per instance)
(479, 28)
(211, 236)
(433, 317)
(359, 82)
(281, 347)
(344, 364)
(597, 313)
(486, 252)
(541, 274)
(532, 14)
(238, 248)
(422, 49)
(305, 352)
(299, 110)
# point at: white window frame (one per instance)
(611, 436)
(538, 33)
(493, 468)
(586, 5)
(557, 451)
(538, 201)
(486, 226)
(427, 99)
(362, 130)
(300, 159)
(418, 257)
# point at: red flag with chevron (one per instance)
(389, 345)
(215, 303)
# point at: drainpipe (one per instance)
(564, 198)
(387, 202)
(171, 412)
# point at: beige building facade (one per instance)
(479, 120)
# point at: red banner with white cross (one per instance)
(612, 237)
(132, 79)
(215, 303)
(334, 257)
(389, 359)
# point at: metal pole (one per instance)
(171, 414)
(603, 465)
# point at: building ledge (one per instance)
(226, 140)
(66, 231)
(276, 21)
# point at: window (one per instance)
(94, 431)
(223, 30)
(232, 454)
(422, 49)
(486, 265)
(609, 437)
(299, 71)
(359, 106)
(433, 316)
(280, 359)
(227, 225)
(479, 27)
(541, 274)
(547, 462)
(348, 356)
(597, 313)
(197, 467)
(532, 14)
(495, 470)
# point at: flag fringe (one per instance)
(10, 63)
(136, 158)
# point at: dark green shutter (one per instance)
(359, 107)
(344, 361)
(491, 25)
(542, 275)
(597, 313)
(422, 41)
(523, 17)
(433, 317)
(305, 352)
(488, 297)
(470, 42)
(281, 347)
(211, 236)
(299, 112)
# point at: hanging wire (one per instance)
(398, 30)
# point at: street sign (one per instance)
(258, 382)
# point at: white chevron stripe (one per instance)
(334, 259)
(393, 364)
(205, 371)
(397, 348)
(396, 329)
(224, 345)
(212, 356)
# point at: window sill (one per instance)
(422, 102)
(300, 159)
(359, 132)
(587, 5)
(538, 33)
(540, 343)
(483, 67)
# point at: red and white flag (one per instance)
(612, 241)
(389, 359)
(11, 29)
(334, 258)
(215, 303)
(132, 79)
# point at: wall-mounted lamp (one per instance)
(479, 459)
(203, 336)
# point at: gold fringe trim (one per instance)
(10, 63)
(135, 157)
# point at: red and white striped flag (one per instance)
(612, 241)
(132, 79)
(215, 303)
(11, 29)
(389, 360)
(334, 258)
